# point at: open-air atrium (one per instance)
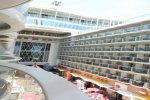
(51, 53)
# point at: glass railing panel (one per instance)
(130, 39)
(138, 83)
(96, 64)
(105, 57)
(112, 76)
(145, 38)
(146, 27)
(97, 56)
(62, 24)
(125, 68)
(103, 74)
(31, 21)
(107, 49)
(116, 49)
(140, 49)
(104, 65)
(114, 58)
(88, 70)
(138, 59)
(119, 40)
(147, 48)
(114, 66)
(140, 70)
(88, 62)
(128, 49)
(126, 58)
(95, 72)
(124, 79)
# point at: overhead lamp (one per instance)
(143, 92)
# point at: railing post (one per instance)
(130, 81)
(134, 49)
(148, 72)
(133, 58)
(117, 78)
(132, 69)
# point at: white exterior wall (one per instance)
(53, 53)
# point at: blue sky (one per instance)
(114, 9)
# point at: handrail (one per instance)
(53, 86)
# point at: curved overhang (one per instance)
(11, 3)
(9, 58)
(6, 43)
(54, 87)
(12, 35)
(6, 40)
(11, 20)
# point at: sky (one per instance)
(112, 9)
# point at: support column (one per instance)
(52, 60)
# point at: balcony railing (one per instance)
(56, 23)
(114, 58)
(104, 65)
(89, 70)
(97, 56)
(128, 49)
(140, 70)
(97, 64)
(126, 58)
(103, 74)
(141, 59)
(124, 79)
(95, 72)
(112, 76)
(105, 57)
(117, 49)
(113, 66)
(140, 48)
(125, 68)
(138, 83)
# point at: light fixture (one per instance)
(143, 92)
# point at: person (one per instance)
(35, 65)
(46, 67)
(68, 75)
(80, 84)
